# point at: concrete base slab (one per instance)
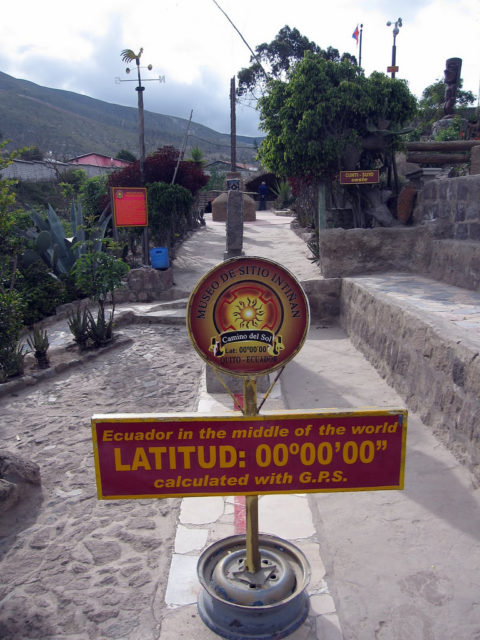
(234, 383)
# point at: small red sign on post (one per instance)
(192, 455)
(130, 207)
(392, 69)
(370, 176)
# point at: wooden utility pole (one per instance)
(233, 127)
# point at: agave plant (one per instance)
(100, 330)
(78, 325)
(284, 194)
(52, 245)
(38, 343)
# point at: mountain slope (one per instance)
(70, 124)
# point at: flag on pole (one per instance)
(355, 34)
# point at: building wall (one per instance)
(38, 171)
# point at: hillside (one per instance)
(70, 124)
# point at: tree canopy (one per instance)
(430, 107)
(275, 59)
(323, 108)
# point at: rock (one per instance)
(378, 209)
(8, 495)
(16, 469)
(15, 476)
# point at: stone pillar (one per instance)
(234, 229)
(475, 161)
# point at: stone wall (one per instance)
(324, 299)
(348, 252)
(144, 285)
(422, 250)
(437, 376)
(140, 285)
(454, 203)
(39, 171)
(444, 244)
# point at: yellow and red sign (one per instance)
(370, 176)
(248, 316)
(175, 455)
(130, 207)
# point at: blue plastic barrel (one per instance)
(159, 258)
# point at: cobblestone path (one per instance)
(73, 567)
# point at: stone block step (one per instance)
(424, 337)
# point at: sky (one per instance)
(76, 46)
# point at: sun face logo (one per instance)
(248, 313)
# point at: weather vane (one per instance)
(128, 55)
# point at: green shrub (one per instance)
(11, 322)
(455, 130)
(169, 213)
(40, 291)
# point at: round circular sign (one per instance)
(248, 316)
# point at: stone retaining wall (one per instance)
(324, 299)
(437, 376)
(454, 202)
(444, 244)
(141, 285)
(423, 250)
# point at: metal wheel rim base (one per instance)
(277, 610)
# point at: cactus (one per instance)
(51, 245)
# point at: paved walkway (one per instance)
(386, 565)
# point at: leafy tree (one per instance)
(169, 207)
(93, 193)
(216, 180)
(275, 59)
(11, 303)
(324, 109)
(160, 167)
(10, 244)
(430, 107)
(72, 182)
(126, 155)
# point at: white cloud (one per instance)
(77, 46)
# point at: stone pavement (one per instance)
(386, 565)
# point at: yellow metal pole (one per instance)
(253, 552)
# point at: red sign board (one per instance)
(370, 176)
(129, 207)
(248, 316)
(392, 69)
(175, 455)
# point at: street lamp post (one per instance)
(396, 29)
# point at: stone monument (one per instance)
(452, 82)
(219, 205)
(453, 69)
(234, 229)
